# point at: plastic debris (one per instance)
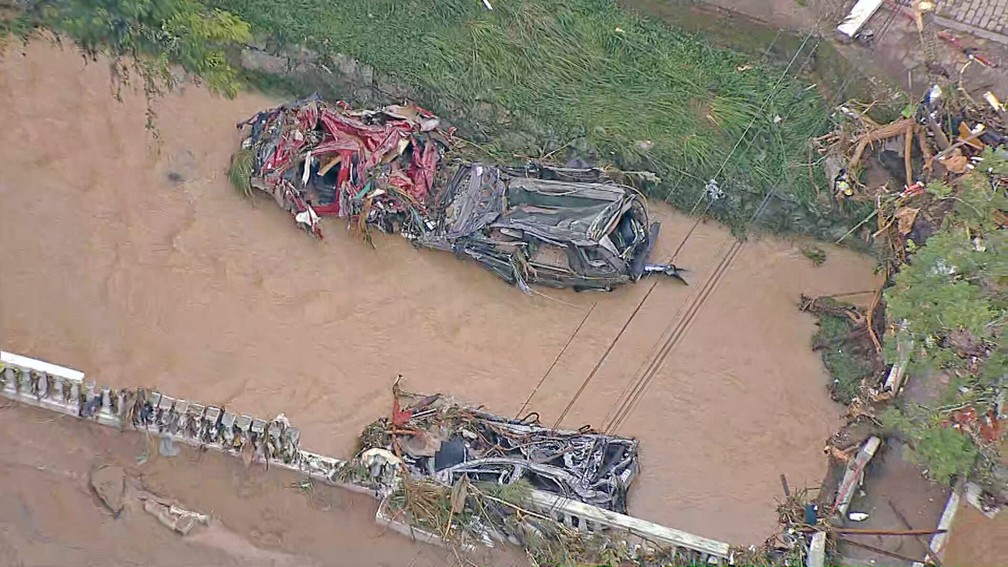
(857, 516)
(993, 101)
(386, 168)
(859, 14)
(181, 520)
(167, 448)
(811, 514)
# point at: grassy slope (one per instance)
(634, 91)
(846, 367)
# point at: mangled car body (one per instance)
(561, 227)
(441, 440)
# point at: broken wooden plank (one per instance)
(855, 474)
(856, 19)
(904, 345)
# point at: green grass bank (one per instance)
(585, 77)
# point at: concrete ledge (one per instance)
(973, 30)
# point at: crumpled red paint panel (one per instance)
(990, 427)
(398, 179)
(340, 144)
(362, 148)
(289, 145)
(388, 145)
(370, 135)
(399, 416)
(987, 427)
(422, 168)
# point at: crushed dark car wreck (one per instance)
(441, 440)
(387, 168)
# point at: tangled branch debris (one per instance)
(798, 517)
(847, 343)
(466, 476)
(941, 312)
(437, 439)
(944, 136)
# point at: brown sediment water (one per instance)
(977, 540)
(136, 262)
(49, 515)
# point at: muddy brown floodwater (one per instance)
(136, 262)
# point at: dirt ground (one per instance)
(896, 53)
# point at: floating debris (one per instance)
(181, 520)
(560, 227)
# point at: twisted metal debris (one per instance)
(441, 440)
(386, 168)
(582, 528)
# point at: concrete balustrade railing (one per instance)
(276, 442)
(647, 535)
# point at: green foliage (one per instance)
(814, 253)
(583, 74)
(845, 367)
(952, 299)
(943, 451)
(14, 25)
(148, 36)
(240, 171)
(939, 189)
(956, 282)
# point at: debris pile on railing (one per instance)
(438, 439)
(799, 520)
(561, 227)
(488, 496)
(471, 478)
(471, 513)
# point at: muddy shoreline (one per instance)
(318, 330)
(181, 285)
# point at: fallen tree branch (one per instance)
(870, 531)
(871, 323)
(924, 148)
(891, 130)
(907, 145)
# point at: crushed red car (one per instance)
(387, 168)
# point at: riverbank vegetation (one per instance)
(144, 38)
(584, 77)
(540, 78)
(950, 301)
(844, 342)
(944, 309)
